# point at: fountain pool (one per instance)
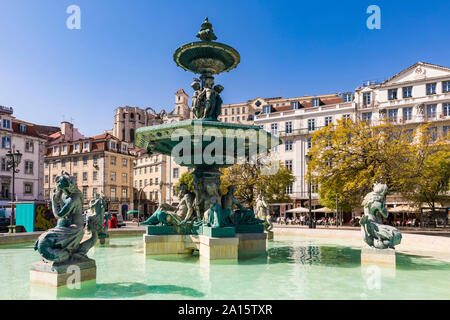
(293, 268)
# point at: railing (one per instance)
(297, 132)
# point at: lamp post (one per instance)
(13, 159)
(308, 159)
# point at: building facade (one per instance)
(100, 165)
(294, 124)
(17, 135)
(128, 119)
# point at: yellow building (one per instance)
(155, 178)
(101, 164)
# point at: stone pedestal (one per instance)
(370, 255)
(269, 235)
(168, 244)
(219, 232)
(249, 242)
(219, 248)
(54, 274)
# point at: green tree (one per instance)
(249, 178)
(425, 177)
(188, 179)
(349, 157)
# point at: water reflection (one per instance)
(127, 290)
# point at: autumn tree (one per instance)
(424, 179)
(251, 178)
(349, 157)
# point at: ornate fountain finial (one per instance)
(206, 33)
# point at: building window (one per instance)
(63, 163)
(76, 147)
(4, 165)
(393, 115)
(113, 193)
(407, 92)
(446, 109)
(288, 164)
(64, 148)
(75, 161)
(309, 142)
(274, 128)
(28, 167)
(226, 112)
(55, 164)
(94, 192)
(156, 168)
(348, 97)
(85, 161)
(28, 188)
(175, 173)
(367, 116)
(433, 133)
(6, 124)
(46, 178)
(445, 86)
(54, 178)
(288, 127)
(266, 109)
(407, 114)
(94, 175)
(238, 118)
(124, 178)
(113, 145)
(294, 105)
(151, 182)
(85, 192)
(85, 176)
(29, 146)
(392, 94)
(75, 177)
(95, 160)
(289, 189)
(55, 149)
(124, 193)
(6, 142)
(113, 176)
(328, 120)
(315, 102)
(156, 195)
(431, 88)
(113, 161)
(431, 111)
(311, 124)
(288, 145)
(86, 145)
(124, 162)
(446, 130)
(46, 164)
(367, 98)
(156, 181)
(346, 117)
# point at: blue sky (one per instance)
(123, 53)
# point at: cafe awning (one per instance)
(403, 208)
(297, 210)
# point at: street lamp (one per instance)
(308, 159)
(13, 159)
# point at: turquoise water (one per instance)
(291, 269)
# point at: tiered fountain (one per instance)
(217, 225)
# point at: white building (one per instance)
(416, 95)
(294, 125)
(26, 138)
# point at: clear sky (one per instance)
(123, 53)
